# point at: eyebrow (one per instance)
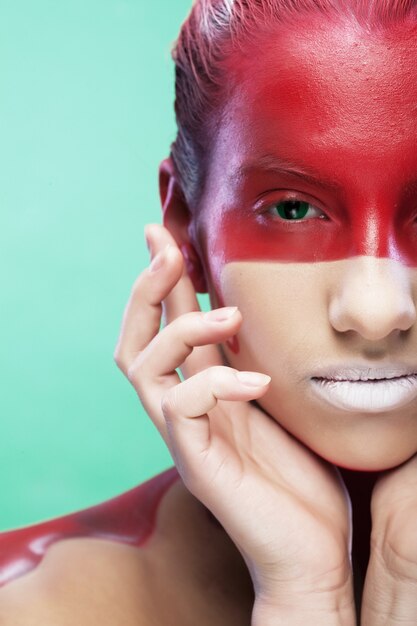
(280, 166)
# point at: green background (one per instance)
(86, 114)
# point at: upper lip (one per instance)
(365, 372)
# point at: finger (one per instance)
(142, 315)
(153, 371)
(175, 342)
(183, 299)
(186, 408)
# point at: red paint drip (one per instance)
(129, 519)
(233, 344)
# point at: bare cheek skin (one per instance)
(272, 298)
(287, 334)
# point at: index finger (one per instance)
(183, 299)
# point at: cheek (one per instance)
(277, 328)
(286, 333)
(283, 333)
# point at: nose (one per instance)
(372, 297)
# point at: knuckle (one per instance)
(219, 373)
(131, 373)
(169, 403)
(186, 321)
(138, 285)
(119, 359)
(134, 373)
(146, 295)
(141, 291)
(220, 370)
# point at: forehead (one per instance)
(327, 112)
(315, 90)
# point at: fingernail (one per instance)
(253, 379)
(220, 315)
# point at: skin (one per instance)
(100, 578)
(353, 259)
(260, 451)
(128, 519)
(308, 105)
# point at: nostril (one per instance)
(372, 297)
(371, 320)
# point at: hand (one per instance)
(390, 593)
(286, 509)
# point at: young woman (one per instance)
(290, 196)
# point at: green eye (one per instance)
(292, 209)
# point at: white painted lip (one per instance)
(366, 371)
(370, 395)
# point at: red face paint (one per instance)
(324, 115)
(129, 518)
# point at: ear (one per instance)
(177, 218)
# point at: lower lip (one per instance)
(373, 396)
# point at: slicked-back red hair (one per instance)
(216, 28)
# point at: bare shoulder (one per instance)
(188, 570)
(128, 518)
(78, 582)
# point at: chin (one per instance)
(370, 460)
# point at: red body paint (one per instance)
(245, 238)
(337, 110)
(329, 117)
(129, 518)
(233, 345)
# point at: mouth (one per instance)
(366, 389)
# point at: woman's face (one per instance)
(309, 224)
